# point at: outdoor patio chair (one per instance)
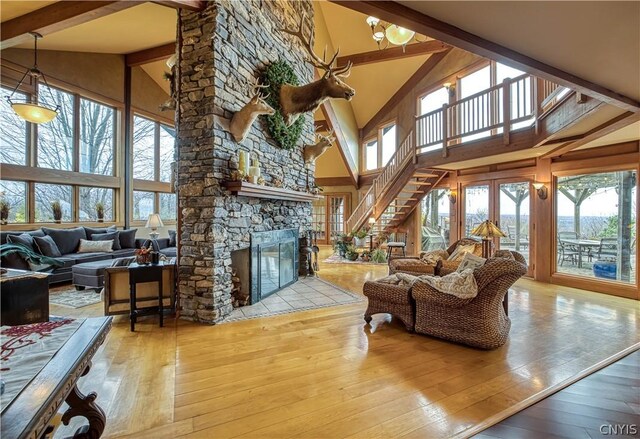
(567, 251)
(608, 248)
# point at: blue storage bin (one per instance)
(605, 269)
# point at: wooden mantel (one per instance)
(246, 189)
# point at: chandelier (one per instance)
(389, 33)
(30, 110)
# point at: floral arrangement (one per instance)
(143, 255)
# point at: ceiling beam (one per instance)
(608, 127)
(56, 17)
(191, 5)
(403, 16)
(406, 88)
(393, 53)
(343, 146)
(150, 55)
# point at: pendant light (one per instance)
(33, 111)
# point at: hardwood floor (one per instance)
(593, 407)
(324, 374)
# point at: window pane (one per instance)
(388, 143)
(476, 207)
(96, 138)
(503, 72)
(13, 131)
(167, 151)
(48, 193)
(371, 155)
(435, 220)
(143, 148)
(475, 82)
(168, 206)
(90, 197)
(514, 217)
(143, 205)
(55, 138)
(15, 193)
(470, 85)
(434, 101)
(596, 223)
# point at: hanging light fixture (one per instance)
(389, 33)
(32, 111)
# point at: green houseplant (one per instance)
(352, 253)
(378, 256)
(100, 211)
(56, 209)
(4, 212)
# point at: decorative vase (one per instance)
(360, 242)
(143, 259)
(57, 221)
(100, 220)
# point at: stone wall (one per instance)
(223, 47)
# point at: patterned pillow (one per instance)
(470, 261)
(460, 250)
(110, 236)
(87, 246)
(434, 256)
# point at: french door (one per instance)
(329, 216)
(505, 202)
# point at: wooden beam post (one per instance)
(506, 110)
(445, 128)
(150, 55)
(393, 53)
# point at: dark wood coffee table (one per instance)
(29, 413)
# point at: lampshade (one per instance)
(154, 221)
(372, 220)
(34, 113)
(373, 21)
(487, 229)
(398, 35)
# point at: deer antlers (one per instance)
(329, 138)
(255, 87)
(315, 59)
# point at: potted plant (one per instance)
(352, 253)
(366, 256)
(360, 236)
(56, 209)
(340, 245)
(100, 212)
(4, 212)
(378, 256)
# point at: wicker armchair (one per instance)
(392, 299)
(479, 322)
(414, 265)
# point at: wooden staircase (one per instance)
(396, 192)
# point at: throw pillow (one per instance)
(87, 246)
(67, 240)
(46, 246)
(391, 279)
(128, 238)
(434, 256)
(478, 250)
(90, 231)
(459, 252)
(407, 279)
(470, 261)
(111, 236)
(24, 239)
(172, 239)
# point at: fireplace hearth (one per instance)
(269, 264)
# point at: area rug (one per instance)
(337, 259)
(308, 293)
(71, 298)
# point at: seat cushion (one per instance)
(170, 252)
(81, 258)
(122, 253)
(67, 240)
(396, 244)
(95, 268)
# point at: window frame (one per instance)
(378, 138)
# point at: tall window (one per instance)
(153, 153)
(89, 199)
(431, 102)
(435, 220)
(13, 132)
(469, 85)
(15, 194)
(55, 139)
(97, 135)
(378, 151)
(46, 195)
(596, 225)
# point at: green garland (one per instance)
(275, 75)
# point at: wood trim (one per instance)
(393, 53)
(563, 116)
(596, 164)
(600, 151)
(367, 179)
(523, 173)
(56, 17)
(146, 56)
(334, 181)
(56, 176)
(630, 291)
(341, 140)
(608, 127)
(406, 88)
(190, 5)
(242, 188)
(151, 186)
(135, 111)
(404, 16)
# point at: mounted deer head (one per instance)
(242, 120)
(295, 100)
(312, 152)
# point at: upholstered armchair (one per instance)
(480, 321)
(416, 266)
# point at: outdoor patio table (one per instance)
(581, 243)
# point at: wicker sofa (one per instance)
(416, 266)
(479, 322)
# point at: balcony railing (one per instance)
(479, 113)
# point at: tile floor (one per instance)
(307, 293)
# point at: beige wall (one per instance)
(147, 95)
(331, 164)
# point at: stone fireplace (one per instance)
(222, 48)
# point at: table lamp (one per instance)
(153, 223)
(487, 230)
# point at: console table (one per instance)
(61, 351)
